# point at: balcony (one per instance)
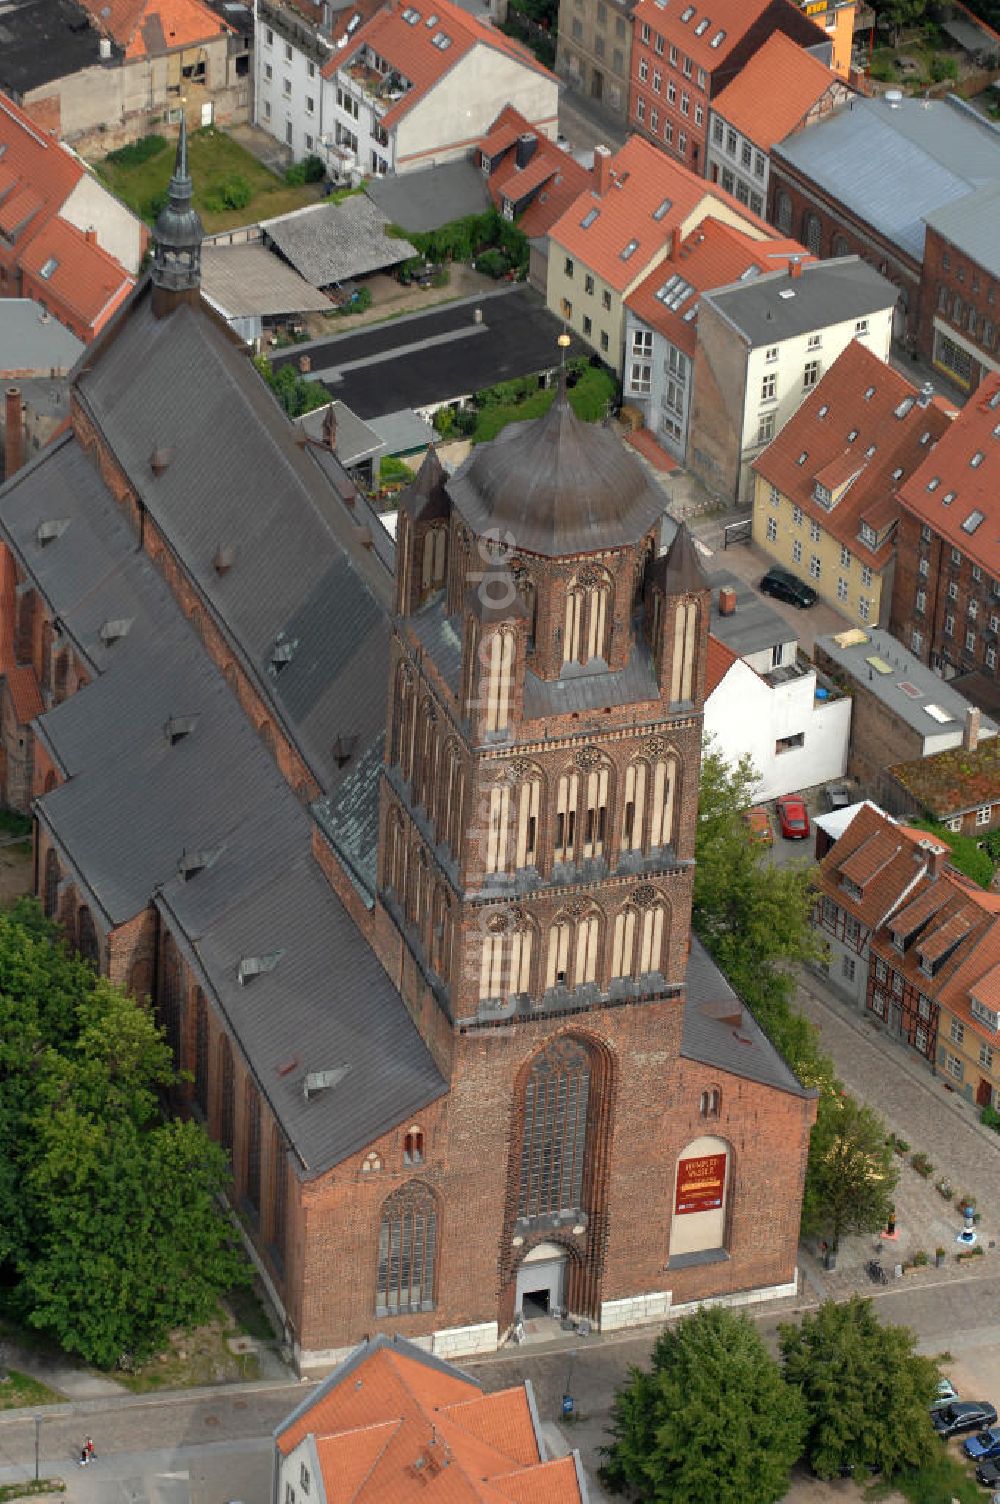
(382, 86)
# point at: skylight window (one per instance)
(934, 482)
(441, 41)
(897, 474)
(852, 435)
(947, 498)
(973, 521)
(411, 16)
(977, 459)
(869, 393)
(629, 250)
(702, 27)
(589, 218)
(687, 13)
(718, 39)
(824, 410)
(48, 268)
(674, 292)
(431, 21)
(662, 209)
(904, 407)
(869, 451)
(925, 437)
(802, 457)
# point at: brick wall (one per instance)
(878, 737)
(958, 627)
(961, 298)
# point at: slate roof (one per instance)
(892, 166)
(244, 280)
(355, 440)
(434, 196)
(42, 40)
(31, 340)
(329, 243)
(777, 306)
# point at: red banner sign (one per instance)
(700, 1183)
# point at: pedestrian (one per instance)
(89, 1449)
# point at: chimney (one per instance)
(926, 393)
(727, 601)
(526, 145)
(935, 856)
(602, 170)
(330, 428)
(795, 267)
(970, 733)
(13, 444)
(675, 245)
(90, 235)
(305, 364)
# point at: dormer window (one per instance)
(868, 535)
(988, 1016)
(851, 889)
(822, 495)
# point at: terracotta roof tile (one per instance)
(868, 859)
(728, 21)
(912, 915)
(36, 178)
(987, 988)
(890, 421)
(938, 940)
(774, 91)
(85, 280)
(948, 783)
(151, 27)
(650, 199)
(712, 256)
(552, 177)
(970, 518)
(25, 694)
(719, 661)
(895, 883)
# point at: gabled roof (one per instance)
(649, 198)
(949, 783)
(392, 1422)
(718, 663)
(774, 91)
(713, 255)
(36, 177)
(885, 887)
(149, 28)
(403, 35)
(709, 44)
(544, 188)
(956, 490)
(863, 396)
(81, 275)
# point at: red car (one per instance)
(793, 818)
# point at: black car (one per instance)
(988, 1472)
(963, 1415)
(785, 586)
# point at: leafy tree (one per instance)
(296, 394)
(865, 1390)
(850, 1177)
(901, 14)
(711, 1419)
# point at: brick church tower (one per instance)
(536, 859)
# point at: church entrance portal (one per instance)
(541, 1282)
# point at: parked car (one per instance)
(984, 1445)
(785, 586)
(963, 1415)
(988, 1472)
(758, 822)
(946, 1391)
(793, 818)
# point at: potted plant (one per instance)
(939, 1256)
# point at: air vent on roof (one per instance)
(317, 1081)
(897, 474)
(925, 437)
(178, 727)
(257, 966)
(934, 482)
(823, 410)
(589, 217)
(282, 654)
(225, 557)
(852, 435)
(789, 292)
(802, 457)
(629, 250)
(160, 459)
(869, 451)
(973, 521)
(193, 862)
(343, 749)
(48, 532)
(111, 631)
(687, 13)
(947, 498)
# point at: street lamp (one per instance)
(38, 1431)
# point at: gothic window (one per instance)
(527, 797)
(402, 723)
(413, 1146)
(419, 892)
(710, 1102)
(52, 877)
(251, 1187)
(86, 937)
(812, 232)
(555, 1100)
(496, 832)
(62, 669)
(432, 573)
(279, 1205)
(227, 1103)
(634, 805)
(371, 1164)
(395, 853)
(573, 949)
(840, 246)
(528, 594)
(169, 1000)
(426, 752)
(46, 674)
(649, 803)
(587, 618)
(201, 1051)
(505, 967)
(662, 801)
(499, 667)
(783, 205)
(567, 794)
(595, 811)
(440, 949)
(25, 626)
(640, 931)
(685, 642)
(449, 826)
(407, 1247)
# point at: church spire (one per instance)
(177, 239)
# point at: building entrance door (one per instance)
(597, 84)
(984, 1096)
(541, 1282)
(895, 1019)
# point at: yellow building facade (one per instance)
(837, 21)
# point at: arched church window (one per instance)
(371, 1164)
(433, 562)
(413, 1146)
(227, 1088)
(505, 966)
(710, 1102)
(527, 797)
(812, 232)
(407, 1251)
(573, 943)
(279, 1211)
(52, 879)
(783, 216)
(86, 937)
(554, 1107)
(497, 827)
(498, 652)
(201, 1051)
(685, 644)
(251, 1186)
(588, 616)
(640, 933)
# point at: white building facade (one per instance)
(288, 56)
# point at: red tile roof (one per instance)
(151, 27)
(774, 91)
(890, 421)
(391, 1423)
(712, 256)
(719, 661)
(24, 693)
(411, 51)
(36, 178)
(552, 178)
(728, 22)
(650, 197)
(957, 498)
(86, 284)
(893, 884)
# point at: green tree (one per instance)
(850, 1176)
(901, 14)
(710, 1420)
(866, 1392)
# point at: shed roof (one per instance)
(328, 243)
(953, 782)
(244, 280)
(434, 196)
(43, 40)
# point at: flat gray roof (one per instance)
(754, 625)
(904, 684)
(435, 196)
(892, 166)
(32, 340)
(329, 243)
(776, 306)
(972, 224)
(244, 280)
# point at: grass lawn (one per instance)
(30, 1489)
(19, 1391)
(589, 398)
(213, 158)
(945, 1480)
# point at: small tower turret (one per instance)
(177, 239)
